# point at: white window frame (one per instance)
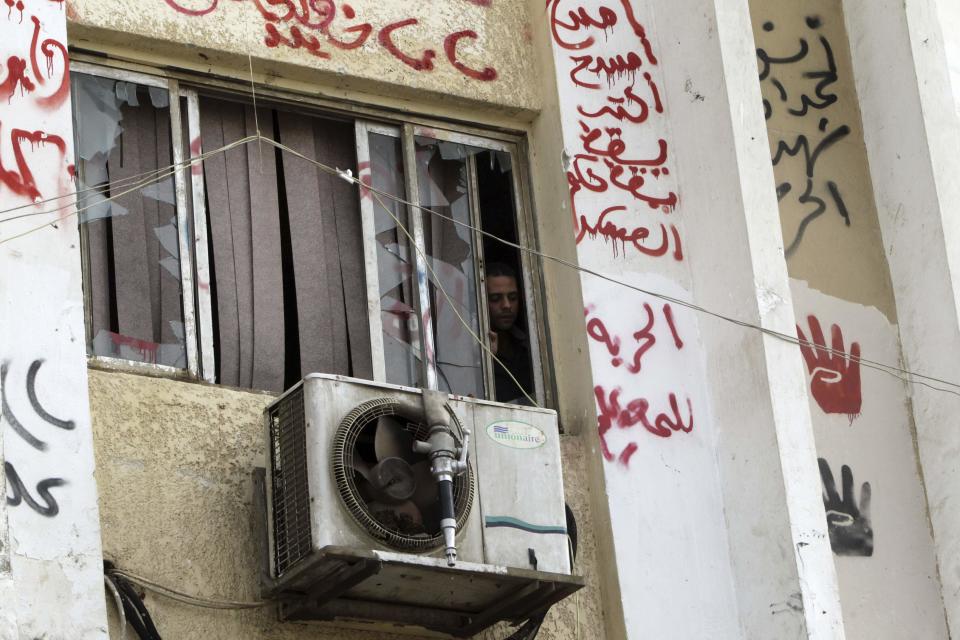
(194, 258)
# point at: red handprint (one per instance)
(835, 380)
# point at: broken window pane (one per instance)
(401, 342)
(128, 220)
(443, 183)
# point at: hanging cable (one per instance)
(187, 598)
(155, 176)
(905, 375)
(118, 601)
(885, 368)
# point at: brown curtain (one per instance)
(254, 200)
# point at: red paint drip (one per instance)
(57, 98)
(16, 76)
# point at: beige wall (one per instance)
(841, 259)
(282, 40)
(173, 470)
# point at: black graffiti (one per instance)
(817, 194)
(822, 97)
(35, 403)
(49, 508)
(848, 523)
(810, 155)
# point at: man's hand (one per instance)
(493, 341)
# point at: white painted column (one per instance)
(950, 21)
(8, 593)
(912, 134)
(711, 473)
(54, 529)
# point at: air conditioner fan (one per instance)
(386, 486)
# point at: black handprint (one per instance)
(849, 526)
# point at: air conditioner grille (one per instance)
(342, 455)
(290, 493)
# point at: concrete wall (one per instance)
(912, 132)
(54, 531)
(843, 299)
(464, 49)
(661, 153)
(173, 467)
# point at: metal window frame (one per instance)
(194, 259)
(368, 226)
(183, 226)
(200, 251)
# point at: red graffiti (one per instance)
(58, 97)
(630, 178)
(605, 161)
(611, 413)
(423, 63)
(450, 47)
(634, 237)
(146, 349)
(598, 331)
(16, 76)
(21, 181)
(296, 40)
(193, 12)
(643, 339)
(363, 30)
(835, 376)
(668, 314)
(606, 20)
(310, 24)
(629, 98)
(365, 177)
(196, 151)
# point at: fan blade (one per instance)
(426, 494)
(404, 517)
(361, 466)
(393, 441)
(393, 478)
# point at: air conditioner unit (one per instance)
(353, 526)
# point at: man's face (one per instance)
(504, 301)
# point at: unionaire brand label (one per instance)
(517, 435)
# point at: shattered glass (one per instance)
(128, 220)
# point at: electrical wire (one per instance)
(905, 375)
(157, 176)
(885, 368)
(186, 598)
(118, 601)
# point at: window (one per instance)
(256, 267)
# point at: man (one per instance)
(507, 341)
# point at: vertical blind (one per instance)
(286, 249)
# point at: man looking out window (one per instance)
(507, 341)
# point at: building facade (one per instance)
(736, 230)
